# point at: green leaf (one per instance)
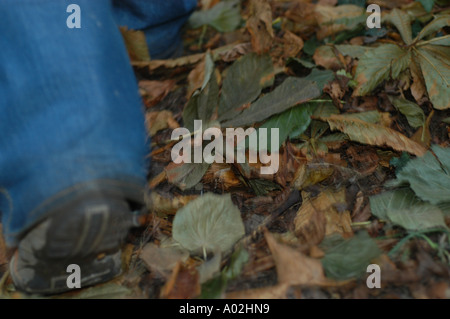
(355, 51)
(349, 258)
(215, 287)
(325, 109)
(435, 65)
(186, 175)
(224, 16)
(320, 77)
(359, 3)
(237, 261)
(208, 223)
(202, 105)
(400, 162)
(425, 175)
(383, 204)
(291, 92)
(373, 117)
(402, 22)
(427, 4)
(243, 83)
(414, 114)
(439, 22)
(418, 217)
(377, 65)
(292, 122)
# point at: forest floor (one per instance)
(361, 192)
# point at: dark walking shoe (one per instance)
(88, 234)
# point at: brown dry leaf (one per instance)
(324, 56)
(195, 78)
(373, 134)
(364, 159)
(168, 206)
(3, 251)
(293, 44)
(221, 176)
(418, 87)
(310, 225)
(307, 175)
(155, 91)
(330, 3)
(423, 135)
(157, 121)
(327, 18)
(322, 216)
(170, 63)
(136, 44)
(184, 283)
(302, 14)
(293, 267)
(224, 52)
(236, 52)
(335, 91)
(158, 179)
(274, 292)
(162, 259)
(259, 25)
(390, 4)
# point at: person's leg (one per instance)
(161, 20)
(72, 140)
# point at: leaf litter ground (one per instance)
(364, 160)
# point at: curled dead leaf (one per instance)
(259, 25)
(293, 267)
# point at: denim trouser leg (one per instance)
(70, 111)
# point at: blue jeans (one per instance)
(70, 115)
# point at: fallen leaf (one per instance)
(291, 92)
(162, 259)
(155, 91)
(168, 205)
(418, 88)
(209, 223)
(183, 283)
(293, 267)
(195, 78)
(423, 134)
(348, 258)
(307, 175)
(157, 121)
(414, 114)
(322, 216)
(377, 65)
(302, 13)
(259, 25)
(373, 134)
(225, 16)
(290, 123)
(293, 44)
(243, 83)
(428, 176)
(136, 44)
(274, 292)
(185, 175)
(435, 65)
(402, 22)
(3, 251)
(335, 19)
